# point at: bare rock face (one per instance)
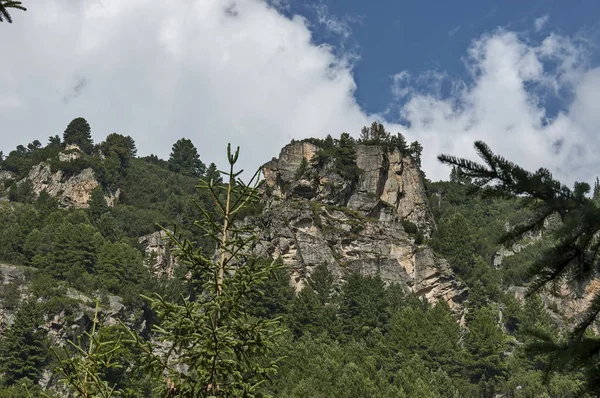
(157, 255)
(389, 188)
(72, 191)
(352, 226)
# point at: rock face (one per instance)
(352, 227)
(72, 191)
(12, 293)
(157, 255)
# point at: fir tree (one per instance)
(574, 256)
(23, 346)
(97, 205)
(78, 132)
(416, 149)
(213, 174)
(223, 348)
(122, 146)
(184, 159)
(5, 5)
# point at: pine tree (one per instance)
(213, 174)
(5, 5)
(363, 305)
(224, 349)
(78, 132)
(416, 149)
(574, 256)
(184, 159)
(596, 192)
(97, 205)
(23, 346)
(122, 146)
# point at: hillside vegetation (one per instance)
(362, 338)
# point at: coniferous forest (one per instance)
(85, 313)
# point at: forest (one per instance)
(228, 323)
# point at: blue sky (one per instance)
(418, 36)
(523, 76)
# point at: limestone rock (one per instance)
(71, 190)
(352, 226)
(390, 186)
(157, 254)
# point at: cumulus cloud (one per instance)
(211, 70)
(504, 103)
(240, 71)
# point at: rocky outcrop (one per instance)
(389, 187)
(319, 217)
(567, 303)
(157, 254)
(71, 190)
(74, 191)
(12, 293)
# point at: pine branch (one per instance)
(5, 4)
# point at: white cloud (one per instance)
(334, 24)
(540, 22)
(210, 70)
(241, 72)
(504, 104)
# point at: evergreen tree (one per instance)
(416, 149)
(5, 5)
(218, 349)
(213, 174)
(363, 305)
(118, 263)
(184, 159)
(596, 191)
(122, 146)
(573, 256)
(97, 205)
(23, 346)
(109, 227)
(78, 132)
(486, 343)
(45, 203)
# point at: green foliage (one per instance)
(214, 337)
(84, 364)
(97, 205)
(416, 149)
(23, 346)
(363, 305)
(22, 192)
(5, 5)
(184, 159)
(413, 230)
(122, 146)
(302, 169)
(213, 174)
(377, 135)
(573, 255)
(78, 132)
(341, 152)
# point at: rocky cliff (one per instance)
(71, 190)
(370, 226)
(157, 254)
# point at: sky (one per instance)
(522, 76)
